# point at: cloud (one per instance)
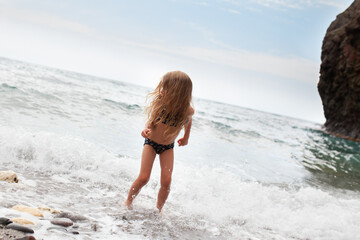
(203, 31)
(203, 3)
(293, 4)
(282, 3)
(289, 67)
(19, 15)
(233, 11)
(340, 4)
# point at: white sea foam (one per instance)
(213, 200)
(48, 153)
(268, 211)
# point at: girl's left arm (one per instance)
(184, 140)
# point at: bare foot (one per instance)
(128, 205)
(162, 214)
(159, 209)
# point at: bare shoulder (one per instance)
(191, 111)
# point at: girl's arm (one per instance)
(184, 140)
(147, 130)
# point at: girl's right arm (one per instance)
(147, 130)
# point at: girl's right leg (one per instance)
(167, 164)
(147, 160)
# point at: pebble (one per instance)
(73, 217)
(32, 211)
(61, 229)
(27, 238)
(22, 221)
(5, 221)
(94, 227)
(52, 211)
(8, 176)
(19, 227)
(65, 222)
(75, 226)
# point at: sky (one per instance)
(259, 54)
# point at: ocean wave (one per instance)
(134, 108)
(250, 209)
(331, 160)
(4, 85)
(50, 153)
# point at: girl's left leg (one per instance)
(166, 164)
(147, 160)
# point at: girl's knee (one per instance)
(166, 182)
(143, 180)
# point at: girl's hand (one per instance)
(182, 142)
(146, 133)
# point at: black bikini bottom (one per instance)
(159, 148)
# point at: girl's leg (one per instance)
(147, 160)
(166, 163)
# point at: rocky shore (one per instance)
(21, 228)
(339, 85)
(22, 222)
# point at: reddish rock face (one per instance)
(339, 85)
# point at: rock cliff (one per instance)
(339, 85)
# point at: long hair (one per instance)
(170, 101)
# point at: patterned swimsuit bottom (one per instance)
(159, 148)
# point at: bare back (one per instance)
(158, 130)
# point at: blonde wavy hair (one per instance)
(170, 102)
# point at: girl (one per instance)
(168, 112)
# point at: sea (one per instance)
(74, 141)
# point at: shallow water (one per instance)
(75, 142)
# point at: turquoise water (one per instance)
(75, 142)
